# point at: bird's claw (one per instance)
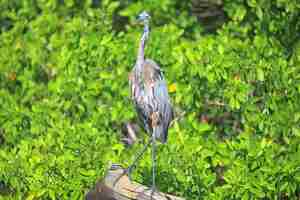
(153, 191)
(128, 171)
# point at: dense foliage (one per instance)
(64, 96)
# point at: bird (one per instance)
(149, 94)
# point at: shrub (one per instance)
(64, 96)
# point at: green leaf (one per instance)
(260, 74)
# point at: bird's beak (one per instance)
(137, 23)
(139, 19)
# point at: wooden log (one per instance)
(117, 186)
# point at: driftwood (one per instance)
(117, 186)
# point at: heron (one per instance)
(149, 93)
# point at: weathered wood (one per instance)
(117, 186)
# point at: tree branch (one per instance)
(117, 186)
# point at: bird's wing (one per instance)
(150, 95)
(160, 89)
(138, 95)
(164, 108)
(162, 103)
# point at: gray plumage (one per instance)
(149, 91)
(150, 96)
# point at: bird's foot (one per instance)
(128, 172)
(153, 191)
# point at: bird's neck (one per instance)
(141, 51)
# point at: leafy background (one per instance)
(64, 97)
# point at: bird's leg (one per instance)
(155, 121)
(153, 187)
(136, 159)
(128, 170)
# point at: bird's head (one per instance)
(143, 17)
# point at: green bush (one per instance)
(64, 96)
(278, 18)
